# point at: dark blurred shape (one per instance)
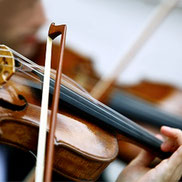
(141, 110)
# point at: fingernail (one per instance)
(166, 127)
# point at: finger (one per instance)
(172, 133)
(174, 164)
(160, 137)
(144, 158)
(169, 145)
(168, 170)
(177, 174)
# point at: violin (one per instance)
(163, 100)
(81, 69)
(77, 67)
(85, 137)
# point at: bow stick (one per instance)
(156, 18)
(46, 176)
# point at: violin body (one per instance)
(82, 149)
(85, 137)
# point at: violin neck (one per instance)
(140, 110)
(109, 118)
(106, 116)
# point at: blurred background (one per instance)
(104, 29)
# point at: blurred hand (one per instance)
(167, 170)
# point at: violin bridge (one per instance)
(7, 64)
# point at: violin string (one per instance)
(52, 74)
(72, 81)
(32, 65)
(28, 61)
(5, 50)
(29, 65)
(6, 56)
(26, 73)
(22, 57)
(40, 81)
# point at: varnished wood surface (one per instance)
(82, 149)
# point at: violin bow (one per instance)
(153, 22)
(41, 174)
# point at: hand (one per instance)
(174, 139)
(167, 170)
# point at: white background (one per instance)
(104, 29)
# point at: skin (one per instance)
(167, 170)
(20, 21)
